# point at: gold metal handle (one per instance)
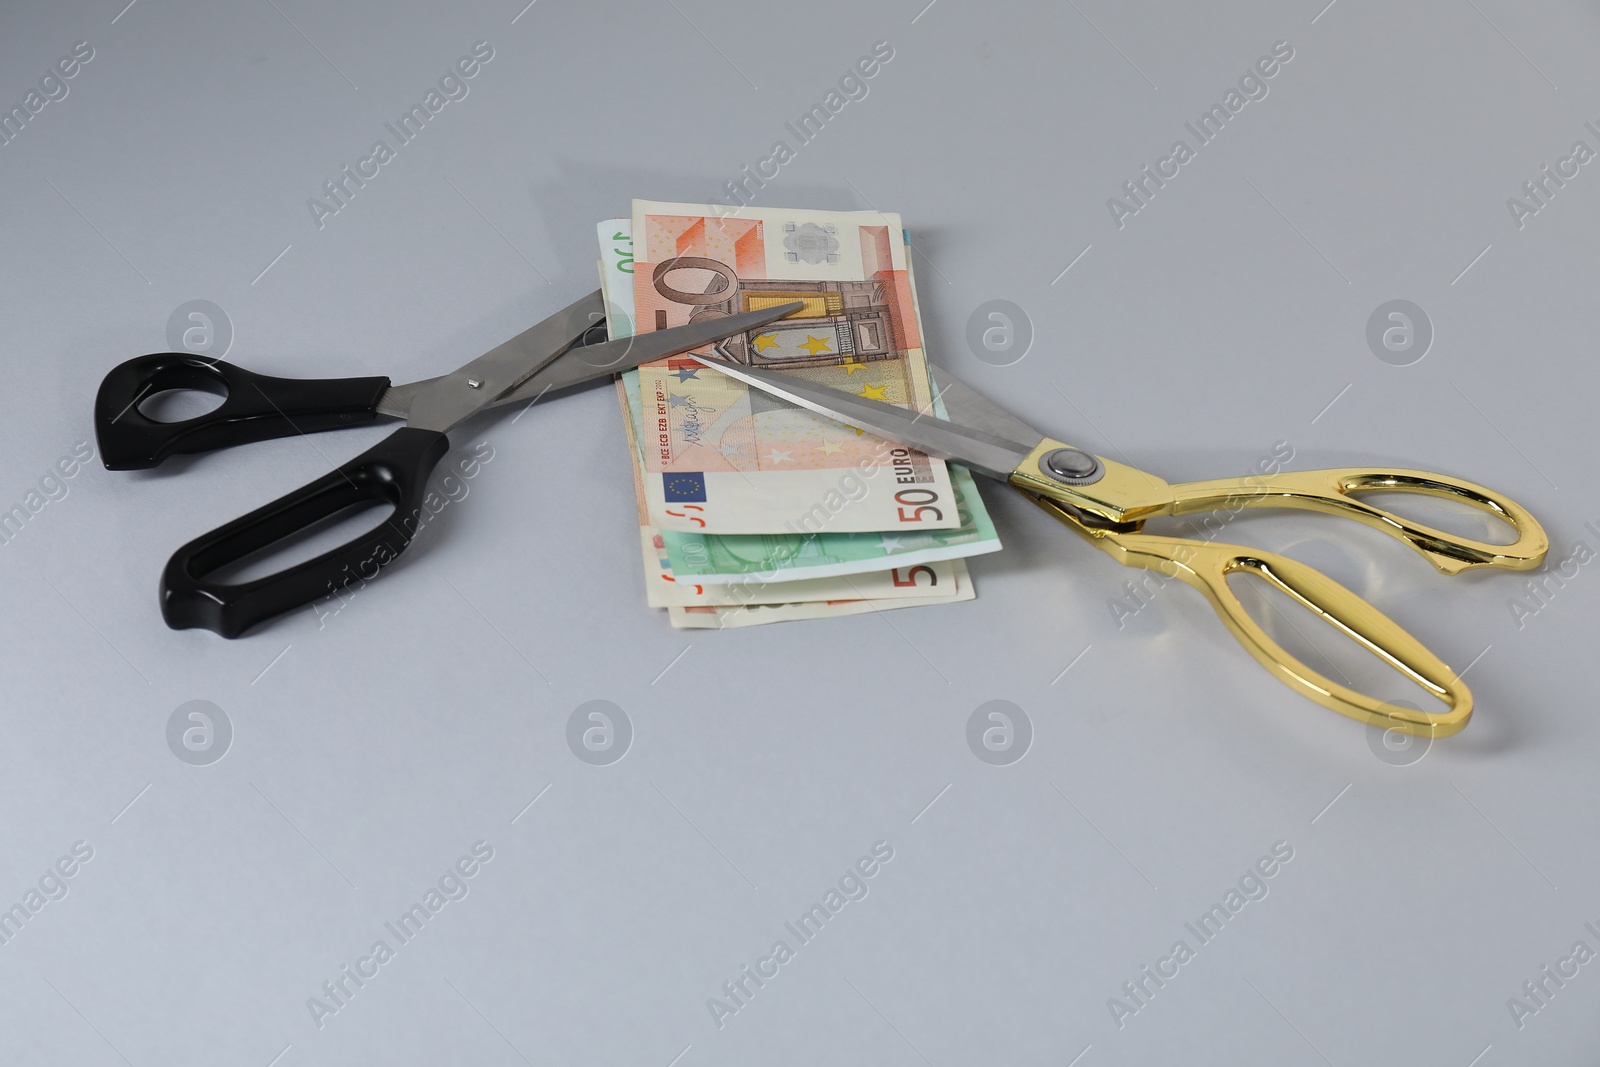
(1329, 491)
(1206, 566)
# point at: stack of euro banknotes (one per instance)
(752, 510)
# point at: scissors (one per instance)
(395, 471)
(1108, 503)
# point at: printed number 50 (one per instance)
(908, 497)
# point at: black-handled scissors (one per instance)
(395, 471)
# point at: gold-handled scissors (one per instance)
(1108, 502)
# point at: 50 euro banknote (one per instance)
(693, 605)
(938, 581)
(722, 458)
(752, 561)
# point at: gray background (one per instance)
(370, 753)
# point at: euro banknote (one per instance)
(921, 582)
(751, 562)
(896, 587)
(729, 618)
(725, 459)
(693, 605)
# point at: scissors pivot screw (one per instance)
(474, 383)
(1072, 466)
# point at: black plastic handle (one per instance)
(257, 408)
(394, 471)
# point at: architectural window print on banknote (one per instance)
(721, 458)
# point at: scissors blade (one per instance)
(995, 450)
(537, 345)
(446, 401)
(579, 365)
(965, 405)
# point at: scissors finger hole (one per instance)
(1326, 649)
(1442, 509)
(308, 542)
(182, 404)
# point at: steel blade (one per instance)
(994, 454)
(579, 365)
(555, 335)
(965, 405)
(440, 403)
